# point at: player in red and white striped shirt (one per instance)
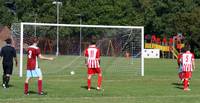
(188, 65)
(92, 54)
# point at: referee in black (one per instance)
(8, 53)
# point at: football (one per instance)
(72, 72)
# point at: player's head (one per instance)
(8, 41)
(186, 48)
(92, 42)
(35, 40)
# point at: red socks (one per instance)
(89, 83)
(185, 83)
(25, 88)
(99, 81)
(39, 86)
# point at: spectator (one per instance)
(153, 38)
(164, 41)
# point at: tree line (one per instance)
(159, 17)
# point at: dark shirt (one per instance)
(8, 53)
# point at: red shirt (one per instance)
(93, 56)
(153, 38)
(33, 53)
(164, 40)
(179, 58)
(158, 40)
(170, 41)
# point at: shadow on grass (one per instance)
(86, 87)
(178, 85)
(10, 85)
(32, 92)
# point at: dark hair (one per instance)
(186, 48)
(35, 40)
(8, 41)
(93, 42)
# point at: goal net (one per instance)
(121, 47)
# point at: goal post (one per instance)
(141, 28)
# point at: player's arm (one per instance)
(86, 59)
(16, 62)
(99, 60)
(193, 64)
(45, 58)
(98, 55)
(15, 58)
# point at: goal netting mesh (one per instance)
(120, 47)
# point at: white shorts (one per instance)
(34, 73)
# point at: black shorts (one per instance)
(7, 68)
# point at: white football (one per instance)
(72, 72)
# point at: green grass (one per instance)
(121, 83)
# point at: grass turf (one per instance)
(121, 83)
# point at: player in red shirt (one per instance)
(33, 70)
(92, 61)
(171, 41)
(158, 41)
(153, 38)
(164, 41)
(188, 65)
(180, 72)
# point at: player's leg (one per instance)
(181, 76)
(26, 85)
(90, 73)
(185, 82)
(89, 81)
(99, 78)
(180, 73)
(7, 80)
(7, 72)
(28, 77)
(38, 74)
(40, 85)
(4, 81)
(4, 76)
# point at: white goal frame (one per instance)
(75, 25)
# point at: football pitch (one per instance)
(121, 83)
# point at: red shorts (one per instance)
(187, 74)
(94, 70)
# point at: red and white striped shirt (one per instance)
(93, 56)
(187, 61)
